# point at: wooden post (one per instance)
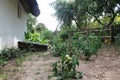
(111, 34)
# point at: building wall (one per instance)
(12, 28)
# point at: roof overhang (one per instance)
(31, 6)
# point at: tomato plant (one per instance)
(66, 68)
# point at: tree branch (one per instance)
(96, 18)
(112, 19)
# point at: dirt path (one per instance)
(105, 67)
(37, 67)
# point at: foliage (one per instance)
(46, 34)
(32, 37)
(86, 45)
(37, 32)
(59, 44)
(31, 22)
(104, 20)
(10, 53)
(70, 46)
(35, 37)
(33, 25)
(117, 20)
(84, 11)
(79, 44)
(91, 45)
(40, 27)
(66, 68)
(2, 62)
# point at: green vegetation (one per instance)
(83, 12)
(10, 53)
(36, 37)
(37, 32)
(70, 43)
(79, 44)
(66, 68)
(74, 16)
(70, 47)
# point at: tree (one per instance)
(63, 11)
(83, 11)
(40, 27)
(104, 8)
(31, 22)
(33, 25)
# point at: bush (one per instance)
(33, 37)
(10, 53)
(69, 46)
(46, 35)
(59, 44)
(36, 37)
(93, 44)
(66, 68)
(86, 45)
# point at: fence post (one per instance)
(111, 34)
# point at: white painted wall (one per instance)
(12, 28)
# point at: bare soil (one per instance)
(38, 66)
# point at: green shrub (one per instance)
(7, 53)
(86, 45)
(64, 35)
(2, 62)
(36, 37)
(66, 68)
(32, 37)
(69, 47)
(10, 53)
(46, 35)
(92, 46)
(58, 46)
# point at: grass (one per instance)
(3, 77)
(20, 60)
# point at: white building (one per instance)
(13, 19)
